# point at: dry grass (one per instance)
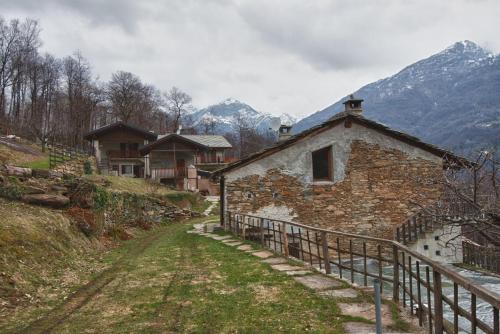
(43, 257)
(131, 185)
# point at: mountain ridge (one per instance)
(438, 99)
(228, 113)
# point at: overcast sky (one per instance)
(294, 56)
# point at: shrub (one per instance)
(87, 168)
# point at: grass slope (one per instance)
(184, 283)
(43, 258)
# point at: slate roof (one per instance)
(348, 117)
(119, 125)
(205, 141)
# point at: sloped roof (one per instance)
(119, 125)
(347, 117)
(214, 141)
(204, 141)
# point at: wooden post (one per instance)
(395, 274)
(473, 308)
(438, 302)
(351, 258)
(326, 257)
(404, 233)
(419, 296)
(495, 321)
(243, 227)
(339, 257)
(262, 231)
(285, 239)
(455, 307)
(365, 277)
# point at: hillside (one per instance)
(225, 117)
(450, 99)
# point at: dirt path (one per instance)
(82, 296)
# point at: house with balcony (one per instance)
(117, 149)
(181, 161)
(185, 161)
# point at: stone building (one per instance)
(349, 174)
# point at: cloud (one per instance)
(290, 56)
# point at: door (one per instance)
(181, 167)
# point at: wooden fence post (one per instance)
(438, 302)
(395, 274)
(262, 231)
(326, 257)
(285, 239)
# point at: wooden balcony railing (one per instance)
(167, 173)
(199, 160)
(443, 300)
(117, 154)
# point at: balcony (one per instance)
(167, 173)
(211, 160)
(117, 154)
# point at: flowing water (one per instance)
(484, 311)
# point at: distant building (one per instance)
(349, 174)
(181, 161)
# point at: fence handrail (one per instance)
(282, 227)
(491, 297)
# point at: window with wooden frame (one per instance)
(322, 164)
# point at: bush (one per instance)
(87, 168)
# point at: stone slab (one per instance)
(275, 260)
(236, 243)
(286, 267)
(230, 240)
(340, 293)
(317, 282)
(366, 310)
(262, 254)
(298, 273)
(362, 328)
(222, 237)
(245, 247)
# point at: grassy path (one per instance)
(174, 282)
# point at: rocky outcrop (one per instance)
(18, 171)
(53, 201)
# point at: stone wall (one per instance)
(375, 183)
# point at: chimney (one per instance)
(353, 105)
(179, 129)
(284, 132)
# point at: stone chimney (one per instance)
(353, 105)
(284, 132)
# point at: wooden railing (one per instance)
(450, 207)
(200, 159)
(167, 173)
(59, 154)
(114, 154)
(411, 279)
(480, 256)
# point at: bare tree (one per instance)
(17, 41)
(178, 105)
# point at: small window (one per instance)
(426, 247)
(436, 237)
(322, 164)
(127, 169)
(438, 253)
(275, 195)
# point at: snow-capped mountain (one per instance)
(229, 113)
(451, 99)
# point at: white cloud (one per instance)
(279, 56)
